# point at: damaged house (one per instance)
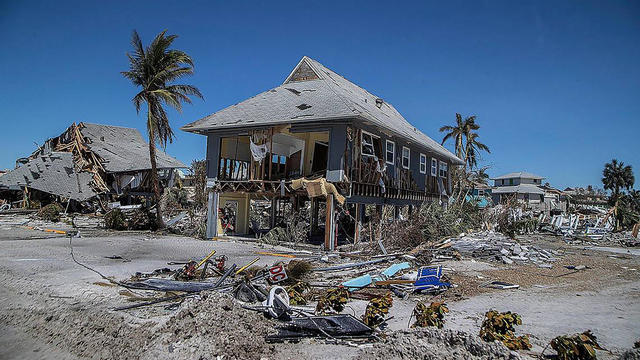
(87, 162)
(318, 137)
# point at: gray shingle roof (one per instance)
(53, 173)
(329, 97)
(124, 149)
(520, 174)
(519, 189)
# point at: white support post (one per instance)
(330, 228)
(212, 214)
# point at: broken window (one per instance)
(406, 154)
(443, 169)
(367, 144)
(434, 167)
(391, 152)
(371, 145)
(423, 163)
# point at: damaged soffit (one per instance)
(311, 93)
(52, 173)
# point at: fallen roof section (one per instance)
(123, 149)
(53, 173)
(311, 93)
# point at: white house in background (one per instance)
(522, 185)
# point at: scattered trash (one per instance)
(428, 280)
(501, 285)
(327, 326)
(277, 303)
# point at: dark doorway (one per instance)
(320, 156)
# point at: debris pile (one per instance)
(490, 245)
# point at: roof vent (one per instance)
(379, 102)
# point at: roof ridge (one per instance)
(343, 98)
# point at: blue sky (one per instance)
(555, 84)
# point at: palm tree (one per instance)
(617, 176)
(457, 132)
(472, 148)
(480, 176)
(153, 69)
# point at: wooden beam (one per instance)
(358, 224)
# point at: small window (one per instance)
(391, 152)
(423, 163)
(434, 167)
(443, 169)
(406, 155)
(510, 181)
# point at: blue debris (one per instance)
(429, 279)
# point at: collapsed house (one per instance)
(319, 135)
(88, 161)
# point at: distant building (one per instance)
(479, 194)
(522, 186)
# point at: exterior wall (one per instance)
(213, 155)
(516, 181)
(414, 159)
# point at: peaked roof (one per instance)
(311, 93)
(53, 173)
(124, 149)
(519, 174)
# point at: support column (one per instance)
(212, 214)
(329, 227)
(358, 223)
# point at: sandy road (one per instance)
(36, 273)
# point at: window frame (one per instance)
(442, 168)
(423, 163)
(373, 148)
(408, 158)
(434, 167)
(386, 152)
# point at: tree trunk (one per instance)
(154, 171)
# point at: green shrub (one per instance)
(51, 212)
(115, 220)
